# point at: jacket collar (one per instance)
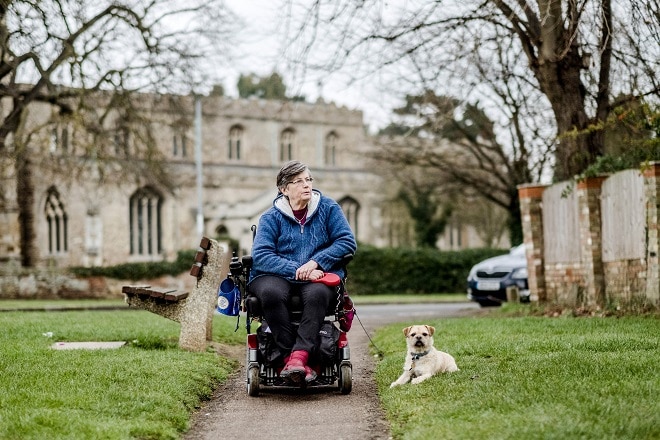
(281, 203)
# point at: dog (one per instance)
(423, 360)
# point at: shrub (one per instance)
(405, 270)
(137, 271)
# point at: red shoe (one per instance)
(310, 374)
(294, 369)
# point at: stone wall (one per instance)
(58, 284)
(591, 282)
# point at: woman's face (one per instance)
(299, 190)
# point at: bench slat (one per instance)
(196, 270)
(143, 291)
(160, 292)
(132, 290)
(201, 257)
(175, 296)
(205, 243)
(155, 292)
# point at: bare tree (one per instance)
(548, 72)
(456, 146)
(88, 61)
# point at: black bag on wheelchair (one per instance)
(268, 349)
(327, 343)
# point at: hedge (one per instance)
(372, 271)
(141, 271)
(405, 270)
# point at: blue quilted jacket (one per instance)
(282, 245)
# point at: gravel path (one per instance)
(317, 414)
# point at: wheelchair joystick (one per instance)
(235, 266)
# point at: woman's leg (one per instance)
(316, 298)
(273, 292)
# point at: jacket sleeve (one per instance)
(341, 242)
(265, 257)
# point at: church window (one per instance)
(331, 148)
(57, 221)
(235, 141)
(286, 144)
(351, 208)
(145, 222)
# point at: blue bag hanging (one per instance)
(229, 298)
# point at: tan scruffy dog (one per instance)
(422, 358)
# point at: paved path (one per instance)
(314, 414)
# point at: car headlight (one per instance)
(519, 274)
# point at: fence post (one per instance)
(652, 193)
(531, 212)
(589, 191)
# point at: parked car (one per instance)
(488, 280)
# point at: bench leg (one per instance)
(197, 320)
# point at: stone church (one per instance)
(224, 163)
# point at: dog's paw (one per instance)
(393, 384)
(418, 380)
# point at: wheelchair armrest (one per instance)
(346, 259)
(247, 261)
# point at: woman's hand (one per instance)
(316, 274)
(309, 271)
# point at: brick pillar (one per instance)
(591, 245)
(652, 195)
(531, 212)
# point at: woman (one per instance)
(300, 238)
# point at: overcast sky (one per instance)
(260, 52)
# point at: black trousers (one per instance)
(274, 292)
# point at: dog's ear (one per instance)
(430, 329)
(407, 330)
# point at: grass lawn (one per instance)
(530, 378)
(147, 389)
(521, 377)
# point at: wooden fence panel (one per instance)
(623, 213)
(561, 230)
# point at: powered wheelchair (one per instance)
(332, 359)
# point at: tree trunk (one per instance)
(561, 83)
(515, 220)
(25, 199)
(558, 69)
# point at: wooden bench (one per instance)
(158, 293)
(194, 310)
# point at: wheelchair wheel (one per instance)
(345, 380)
(253, 381)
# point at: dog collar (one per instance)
(416, 356)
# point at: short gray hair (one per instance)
(288, 171)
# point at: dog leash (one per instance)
(378, 350)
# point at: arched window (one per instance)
(351, 208)
(235, 141)
(57, 221)
(121, 141)
(59, 139)
(145, 222)
(331, 149)
(179, 145)
(286, 144)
